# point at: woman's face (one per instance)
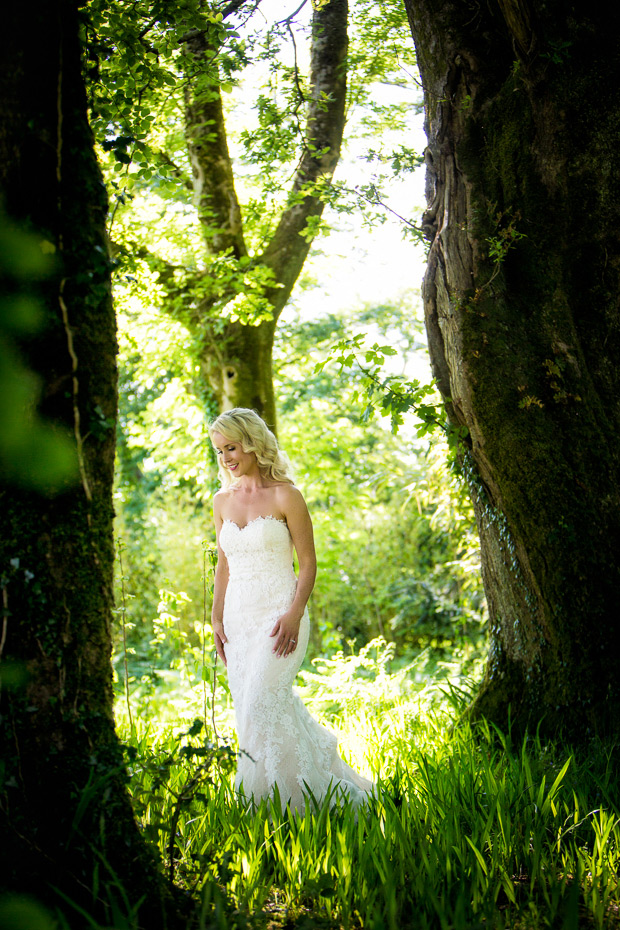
(232, 457)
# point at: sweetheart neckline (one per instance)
(255, 520)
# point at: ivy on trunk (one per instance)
(521, 302)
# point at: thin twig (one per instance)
(292, 16)
(123, 619)
(377, 200)
(79, 442)
(213, 687)
(204, 633)
(61, 301)
(301, 99)
(148, 27)
(208, 551)
(5, 620)
(5, 623)
(232, 7)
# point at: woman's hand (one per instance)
(286, 630)
(220, 638)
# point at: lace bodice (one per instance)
(261, 574)
(263, 545)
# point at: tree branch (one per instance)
(286, 252)
(232, 7)
(212, 175)
(289, 19)
(213, 180)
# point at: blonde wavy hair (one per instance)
(246, 427)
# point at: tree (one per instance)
(222, 131)
(230, 294)
(65, 815)
(521, 304)
(238, 362)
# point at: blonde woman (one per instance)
(260, 620)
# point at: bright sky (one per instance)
(357, 266)
(361, 266)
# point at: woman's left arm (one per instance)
(286, 629)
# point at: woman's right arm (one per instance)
(219, 589)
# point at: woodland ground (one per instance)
(468, 828)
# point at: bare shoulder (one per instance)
(290, 500)
(220, 496)
(220, 499)
(292, 504)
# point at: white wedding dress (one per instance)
(280, 743)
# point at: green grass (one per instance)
(467, 829)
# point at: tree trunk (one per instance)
(237, 360)
(237, 365)
(65, 815)
(521, 303)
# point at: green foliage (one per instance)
(175, 781)
(506, 236)
(138, 74)
(559, 51)
(172, 648)
(33, 453)
(395, 532)
(466, 827)
(378, 58)
(132, 57)
(392, 395)
(396, 540)
(20, 912)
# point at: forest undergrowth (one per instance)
(467, 828)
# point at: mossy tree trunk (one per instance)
(65, 815)
(237, 358)
(521, 300)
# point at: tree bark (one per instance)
(237, 358)
(65, 816)
(521, 303)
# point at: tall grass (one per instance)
(466, 828)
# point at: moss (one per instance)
(64, 814)
(539, 348)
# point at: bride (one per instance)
(260, 620)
